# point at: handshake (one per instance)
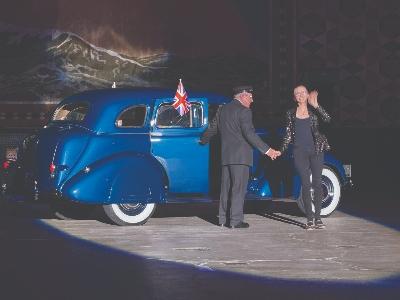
(272, 153)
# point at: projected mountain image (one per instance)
(47, 66)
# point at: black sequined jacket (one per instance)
(320, 141)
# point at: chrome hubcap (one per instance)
(327, 191)
(132, 209)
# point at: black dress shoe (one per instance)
(241, 225)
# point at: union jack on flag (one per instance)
(181, 104)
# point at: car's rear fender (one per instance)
(127, 177)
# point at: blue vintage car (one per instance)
(127, 150)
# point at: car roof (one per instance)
(132, 95)
(106, 104)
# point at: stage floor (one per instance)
(181, 254)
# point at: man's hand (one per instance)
(273, 154)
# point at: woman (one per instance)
(308, 149)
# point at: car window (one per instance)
(72, 112)
(168, 116)
(132, 117)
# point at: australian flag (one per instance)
(181, 103)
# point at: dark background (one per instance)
(347, 49)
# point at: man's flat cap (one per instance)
(242, 88)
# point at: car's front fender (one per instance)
(329, 162)
(336, 165)
(122, 178)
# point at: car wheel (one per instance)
(331, 192)
(129, 213)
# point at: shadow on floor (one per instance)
(41, 262)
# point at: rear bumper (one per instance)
(22, 187)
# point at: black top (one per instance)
(304, 138)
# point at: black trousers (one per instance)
(234, 183)
(308, 162)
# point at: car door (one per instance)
(175, 143)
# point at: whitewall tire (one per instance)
(129, 213)
(331, 193)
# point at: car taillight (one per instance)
(52, 168)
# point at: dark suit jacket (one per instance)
(234, 122)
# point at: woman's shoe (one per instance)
(309, 225)
(319, 224)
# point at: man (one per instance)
(234, 123)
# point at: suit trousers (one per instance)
(234, 183)
(305, 161)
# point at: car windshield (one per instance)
(72, 112)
